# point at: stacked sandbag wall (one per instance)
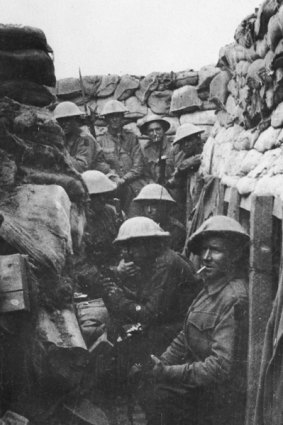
(245, 146)
(177, 96)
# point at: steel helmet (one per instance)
(140, 227)
(153, 118)
(218, 225)
(113, 107)
(186, 130)
(67, 109)
(97, 182)
(154, 192)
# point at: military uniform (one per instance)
(177, 233)
(97, 248)
(86, 153)
(151, 154)
(157, 299)
(203, 381)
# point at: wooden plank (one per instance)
(14, 301)
(277, 208)
(234, 204)
(246, 202)
(260, 291)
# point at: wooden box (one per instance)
(14, 294)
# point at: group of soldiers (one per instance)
(180, 334)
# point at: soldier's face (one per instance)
(189, 145)
(154, 210)
(155, 132)
(115, 121)
(138, 250)
(68, 124)
(217, 256)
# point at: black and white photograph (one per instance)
(141, 212)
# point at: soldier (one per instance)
(83, 151)
(155, 296)
(122, 153)
(200, 378)
(157, 203)
(102, 226)
(186, 163)
(157, 152)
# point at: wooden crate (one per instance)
(14, 294)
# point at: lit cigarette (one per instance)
(201, 270)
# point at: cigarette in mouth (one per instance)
(201, 270)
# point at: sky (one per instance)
(131, 36)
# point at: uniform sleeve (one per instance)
(84, 153)
(176, 351)
(137, 166)
(215, 368)
(152, 306)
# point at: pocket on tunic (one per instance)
(202, 320)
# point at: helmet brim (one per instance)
(195, 242)
(165, 124)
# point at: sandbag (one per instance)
(242, 68)
(92, 317)
(33, 65)
(244, 34)
(184, 78)
(159, 102)
(246, 185)
(37, 223)
(18, 37)
(185, 99)
(225, 119)
(267, 140)
(148, 84)
(233, 53)
(91, 84)
(232, 88)
(40, 131)
(199, 118)
(250, 161)
(135, 107)
(267, 9)
(8, 169)
(269, 186)
(246, 140)
(221, 157)
(68, 88)
(256, 74)
(277, 116)
(108, 85)
(74, 187)
(231, 106)
(265, 164)
(261, 47)
(277, 61)
(208, 105)
(234, 162)
(127, 86)
(218, 89)
(206, 75)
(275, 29)
(230, 181)
(26, 92)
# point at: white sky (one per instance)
(130, 36)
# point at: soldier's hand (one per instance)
(120, 182)
(127, 269)
(158, 367)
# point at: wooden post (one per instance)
(234, 204)
(260, 291)
(220, 203)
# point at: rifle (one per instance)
(162, 165)
(88, 117)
